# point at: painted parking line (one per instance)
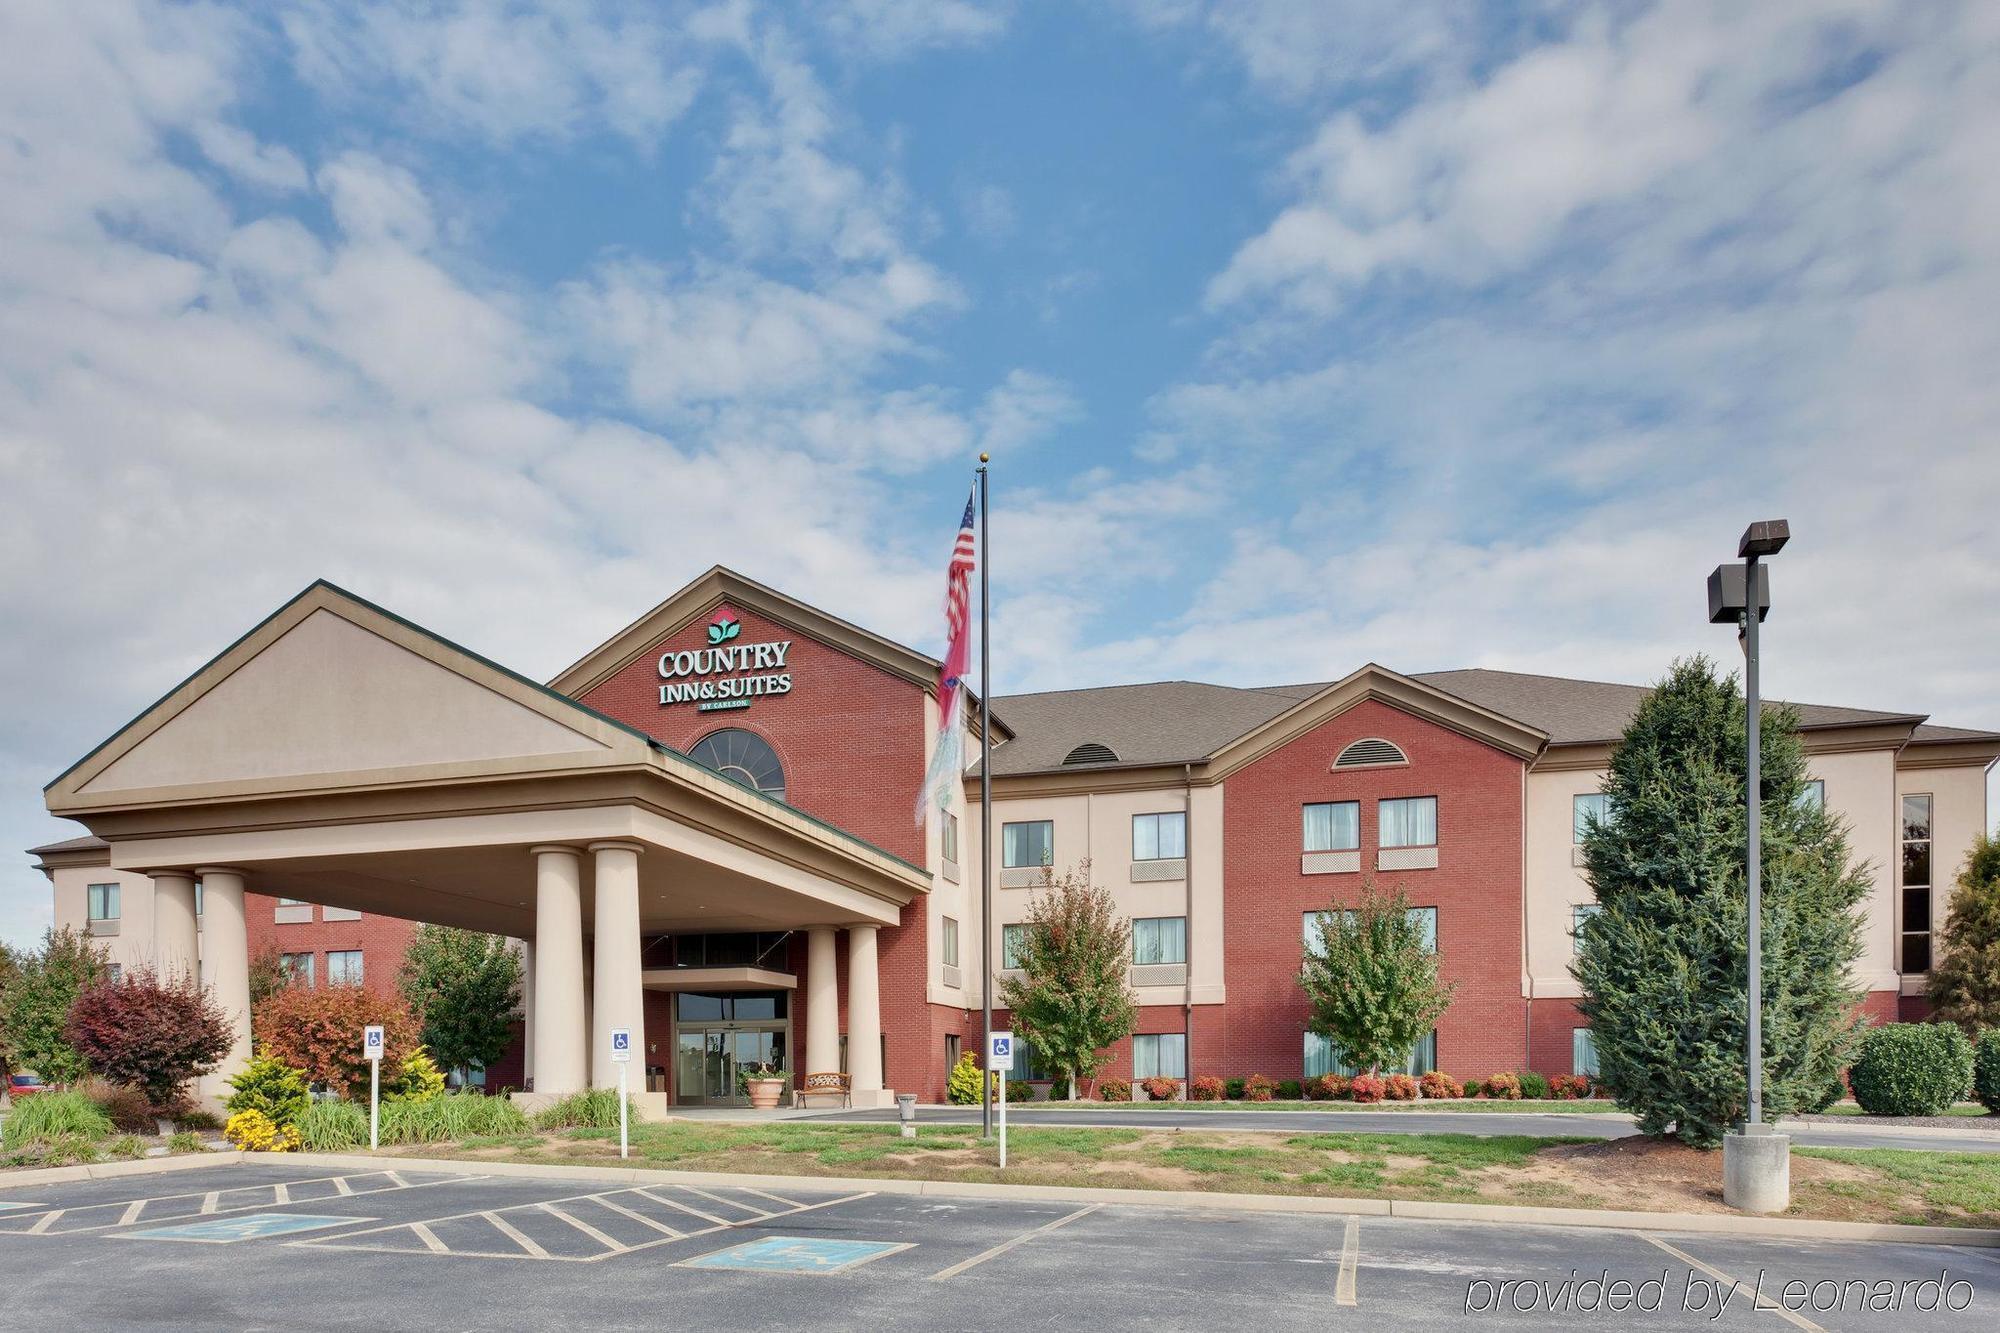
(1721, 1276)
(230, 1230)
(80, 1219)
(1007, 1245)
(581, 1228)
(796, 1254)
(1350, 1258)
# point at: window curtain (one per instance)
(1410, 823)
(1334, 827)
(1159, 1055)
(1321, 1057)
(1160, 939)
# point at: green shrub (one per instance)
(196, 1118)
(961, 1085)
(1289, 1090)
(332, 1126)
(1020, 1090)
(57, 1150)
(272, 1087)
(1233, 1089)
(1912, 1069)
(1986, 1070)
(1833, 1092)
(1472, 1087)
(1534, 1087)
(594, 1109)
(417, 1080)
(125, 1145)
(185, 1141)
(124, 1105)
(54, 1115)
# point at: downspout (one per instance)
(1187, 910)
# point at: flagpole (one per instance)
(985, 826)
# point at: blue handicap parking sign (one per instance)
(229, 1230)
(794, 1254)
(621, 1040)
(1003, 1046)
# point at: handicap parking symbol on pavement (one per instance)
(5, 1206)
(229, 1230)
(794, 1254)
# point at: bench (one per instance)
(825, 1085)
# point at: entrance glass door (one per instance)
(719, 1039)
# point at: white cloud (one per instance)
(892, 29)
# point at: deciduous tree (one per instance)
(318, 1031)
(464, 987)
(1664, 964)
(1073, 999)
(1372, 980)
(1965, 982)
(34, 1009)
(152, 1033)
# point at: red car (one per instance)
(23, 1085)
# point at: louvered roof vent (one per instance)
(1370, 752)
(1091, 752)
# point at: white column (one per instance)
(527, 1007)
(227, 955)
(560, 1040)
(618, 995)
(864, 1018)
(176, 941)
(822, 1002)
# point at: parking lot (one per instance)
(292, 1245)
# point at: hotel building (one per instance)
(703, 831)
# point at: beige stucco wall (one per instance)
(1860, 788)
(954, 891)
(132, 946)
(1098, 826)
(1958, 815)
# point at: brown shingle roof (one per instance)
(87, 843)
(1185, 721)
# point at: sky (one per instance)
(1436, 335)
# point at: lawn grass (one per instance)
(1921, 1186)
(1965, 1109)
(1478, 1107)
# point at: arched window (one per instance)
(742, 756)
(1373, 752)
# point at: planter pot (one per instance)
(764, 1092)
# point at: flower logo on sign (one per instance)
(724, 627)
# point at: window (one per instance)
(1159, 939)
(1028, 845)
(1579, 917)
(949, 838)
(1917, 883)
(1025, 1068)
(950, 943)
(1321, 1057)
(1812, 796)
(1159, 837)
(1013, 945)
(1582, 807)
(300, 965)
(114, 972)
(103, 902)
(1425, 917)
(292, 902)
(1159, 1055)
(1333, 826)
(343, 967)
(1372, 752)
(1582, 1052)
(742, 756)
(951, 1050)
(743, 1007)
(1409, 822)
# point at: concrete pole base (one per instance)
(1757, 1171)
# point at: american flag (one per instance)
(946, 767)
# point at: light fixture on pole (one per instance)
(1756, 1163)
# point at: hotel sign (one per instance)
(725, 675)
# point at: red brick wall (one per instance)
(1476, 887)
(1551, 1025)
(383, 940)
(851, 738)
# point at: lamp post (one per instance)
(1756, 1162)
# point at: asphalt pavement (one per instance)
(1610, 1126)
(294, 1245)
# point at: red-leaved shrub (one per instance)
(318, 1031)
(1436, 1085)
(154, 1035)
(1569, 1087)
(1400, 1088)
(1504, 1086)
(1258, 1088)
(1161, 1089)
(1366, 1088)
(1114, 1090)
(1206, 1088)
(1327, 1087)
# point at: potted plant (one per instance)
(765, 1083)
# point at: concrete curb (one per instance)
(1865, 1128)
(1189, 1200)
(145, 1166)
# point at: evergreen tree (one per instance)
(34, 1009)
(1664, 965)
(1073, 999)
(464, 987)
(1965, 982)
(1373, 981)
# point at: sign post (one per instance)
(371, 1049)
(621, 1055)
(1000, 1060)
